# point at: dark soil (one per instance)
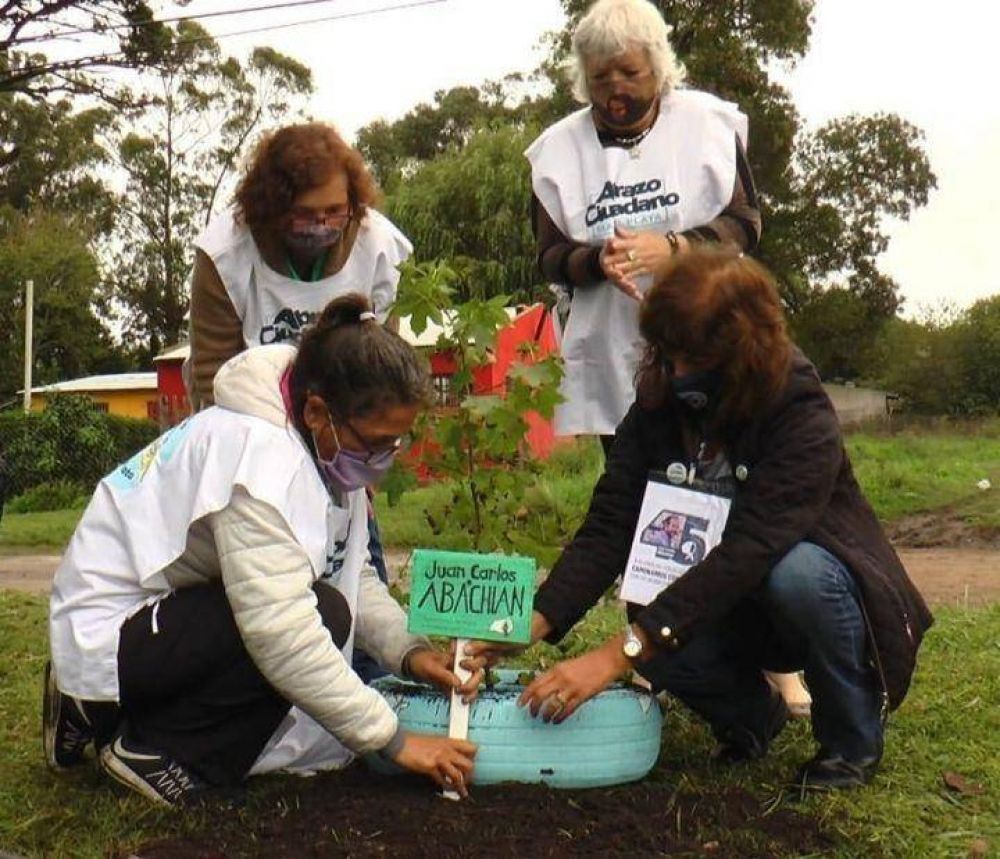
(357, 814)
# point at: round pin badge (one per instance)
(741, 472)
(677, 472)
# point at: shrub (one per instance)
(71, 440)
(55, 495)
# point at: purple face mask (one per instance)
(348, 470)
(312, 237)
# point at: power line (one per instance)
(74, 31)
(32, 71)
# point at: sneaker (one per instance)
(151, 773)
(66, 729)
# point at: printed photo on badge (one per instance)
(676, 537)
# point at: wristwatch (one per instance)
(632, 648)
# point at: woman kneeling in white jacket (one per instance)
(203, 617)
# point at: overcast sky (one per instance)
(933, 63)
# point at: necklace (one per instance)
(631, 144)
(635, 140)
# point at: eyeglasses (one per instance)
(336, 216)
(374, 453)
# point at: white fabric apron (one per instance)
(136, 525)
(679, 177)
(276, 308)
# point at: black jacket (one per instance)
(799, 486)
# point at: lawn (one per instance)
(902, 473)
(949, 724)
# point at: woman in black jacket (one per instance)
(803, 576)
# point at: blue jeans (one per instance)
(364, 666)
(805, 615)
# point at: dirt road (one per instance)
(960, 576)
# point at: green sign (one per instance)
(463, 595)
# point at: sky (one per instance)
(931, 63)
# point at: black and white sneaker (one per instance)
(151, 773)
(66, 728)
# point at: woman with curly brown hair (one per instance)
(781, 563)
(303, 230)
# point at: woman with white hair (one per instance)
(642, 172)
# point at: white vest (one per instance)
(679, 177)
(276, 308)
(137, 523)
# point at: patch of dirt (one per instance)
(966, 577)
(940, 529)
(354, 813)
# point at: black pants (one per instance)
(188, 687)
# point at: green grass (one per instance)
(911, 471)
(918, 470)
(37, 532)
(949, 723)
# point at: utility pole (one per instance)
(29, 321)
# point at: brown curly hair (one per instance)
(720, 309)
(296, 159)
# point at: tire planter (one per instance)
(613, 738)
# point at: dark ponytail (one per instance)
(355, 364)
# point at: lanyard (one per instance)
(693, 466)
(317, 268)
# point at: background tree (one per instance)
(978, 350)
(69, 339)
(52, 154)
(468, 206)
(123, 34)
(177, 163)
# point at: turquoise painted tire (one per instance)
(613, 738)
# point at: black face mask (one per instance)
(698, 390)
(633, 110)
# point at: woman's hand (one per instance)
(486, 654)
(434, 667)
(560, 691)
(449, 762)
(629, 254)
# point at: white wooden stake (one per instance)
(458, 717)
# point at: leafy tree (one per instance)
(978, 347)
(479, 443)
(946, 363)
(397, 149)
(838, 332)
(470, 206)
(126, 31)
(920, 364)
(69, 339)
(429, 130)
(50, 155)
(177, 162)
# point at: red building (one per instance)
(529, 333)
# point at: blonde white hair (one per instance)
(612, 27)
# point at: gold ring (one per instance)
(631, 255)
(558, 696)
